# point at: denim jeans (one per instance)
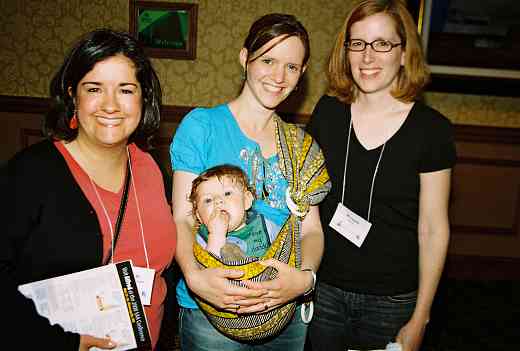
(197, 334)
(346, 320)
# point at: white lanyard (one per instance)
(373, 178)
(108, 217)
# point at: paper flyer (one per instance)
(102, 302)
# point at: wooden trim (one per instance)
(500, 231)
(457, 266)
(484, 134)
(463, 132)
(37, 105)
(488, 162)
(26, 133)
(174, 113)
(162, 141)
(24, 104)
(297, 118)
(475, 229)
(482, 268)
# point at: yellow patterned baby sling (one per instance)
(302, 164)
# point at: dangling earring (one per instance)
(73, 123)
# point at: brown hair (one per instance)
(236, 174)
(269, 27)
(92, 48)
(275, 25)
(411, 78)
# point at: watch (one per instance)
(311, 289)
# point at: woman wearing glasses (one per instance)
(389, 158)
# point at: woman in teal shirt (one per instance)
(243, 133)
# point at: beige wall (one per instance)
(35, 34)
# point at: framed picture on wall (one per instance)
(471, 46)
(166, 29)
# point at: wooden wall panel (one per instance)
(484, 207)
(17, 130)
(485, 198)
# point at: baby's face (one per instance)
(223, 195)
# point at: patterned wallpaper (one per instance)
(35, 34)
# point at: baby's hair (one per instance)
(236, 174)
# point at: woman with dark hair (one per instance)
(244, 133)
(68, 193)
(390, 158)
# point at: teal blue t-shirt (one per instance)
(209, 137)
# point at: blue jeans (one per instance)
(197, 334)
(344, 320)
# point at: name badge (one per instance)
(353, 227)
(144, 279)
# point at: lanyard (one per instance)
(122, 207)
(373, 177)
(114, 233)
(138, 213)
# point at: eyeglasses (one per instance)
(377, 45)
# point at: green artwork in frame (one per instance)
(163, 29)
(166, 30)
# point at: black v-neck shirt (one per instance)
(387, 262)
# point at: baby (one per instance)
(221, 199)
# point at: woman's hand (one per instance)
(287, 286)
(290, 282)
(213, 285)
(88, 341)
(411, 334)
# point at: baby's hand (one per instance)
(217, 228)
(218, 222)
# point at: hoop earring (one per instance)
(73, 123)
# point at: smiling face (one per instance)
(273, 75)
(108, 101)
(375, 72)
(224, 194)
